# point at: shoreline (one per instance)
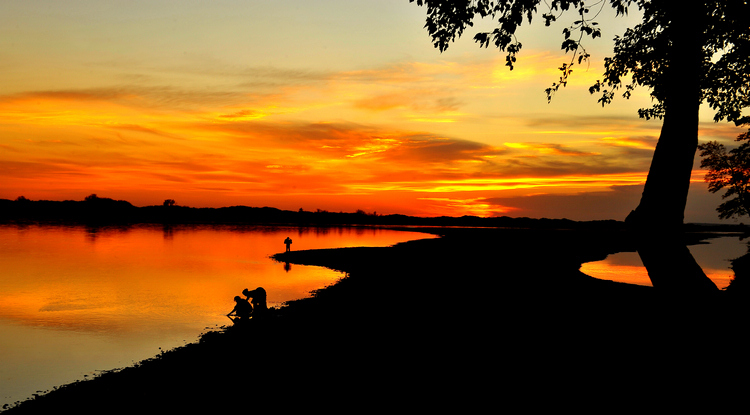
(469, 286)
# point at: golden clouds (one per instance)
(411, 137)
(244, 115)
(647, 143)
(447, 92)
(465, 207)
(549, 148)
(374, 146)
(127, 146)
(498, 183)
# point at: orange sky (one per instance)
(336, 105)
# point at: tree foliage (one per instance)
(729, 170)
(644, 53)
(641, 55)
(684, 52)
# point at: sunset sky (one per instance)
(335, 105)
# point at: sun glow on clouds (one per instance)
(466, 207)
(124, 143)
(449, 134)
(592, 182)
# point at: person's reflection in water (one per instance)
(168, 231)
(258, 295)
(242, 310)
(287, 267)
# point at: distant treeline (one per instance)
(96, 210)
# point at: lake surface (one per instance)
(77, 300)
(714, 257)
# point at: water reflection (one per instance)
(119, 293)
(168, 231)
(738, 286)
(122, 279)
(714, 257)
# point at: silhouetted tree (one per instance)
(169, 202)
(730, 170)
(685, 53)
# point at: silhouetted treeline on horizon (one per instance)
(102, 210)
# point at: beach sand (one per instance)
(477, 318)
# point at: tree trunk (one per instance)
(658, 219)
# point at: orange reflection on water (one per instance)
(714, 258)
(140, 278)
(76, 300)
(637, 274)
(621, 273)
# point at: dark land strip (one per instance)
(101, 211)
(475, 319)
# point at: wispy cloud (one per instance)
(549, 148)
(304, 135)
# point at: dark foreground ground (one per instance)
(477, 321)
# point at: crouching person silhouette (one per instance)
(241, 312)
(259, 305)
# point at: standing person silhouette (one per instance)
(258, 295)
(288, 243)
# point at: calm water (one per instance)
(713, 257)
(76, 300)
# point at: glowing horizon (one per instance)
(337, 107)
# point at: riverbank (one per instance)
(495, 312)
